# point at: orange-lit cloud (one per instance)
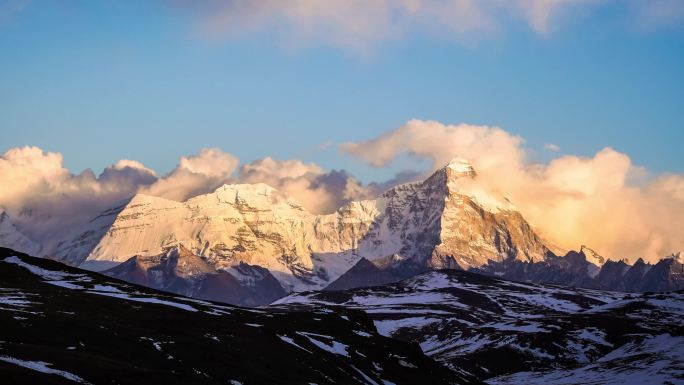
(604, 201)
(45, 199)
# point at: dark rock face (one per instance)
(363, 274)
(666, 275)
(61, 325)
(180, 271)
(381, 271)
(634, 276)
(573, 269)
(610, 277)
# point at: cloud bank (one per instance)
(357, 25)
(46, 200)
(604, 201)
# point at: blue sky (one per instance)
(101, 81)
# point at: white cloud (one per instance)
(46, 199)
(572, 200)
(552, 147)
(317, 190)
(194, 175)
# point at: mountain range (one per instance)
(64, 325)
(249, 244)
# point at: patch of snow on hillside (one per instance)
(291, 342)
(654, 361)
(333, 346)
(42, 367)
(594, 335)
(388, 327)
(418, 298)
(146, 300)
(511, 326)
(50, 275)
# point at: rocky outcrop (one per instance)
(363, 274)
(181, 272)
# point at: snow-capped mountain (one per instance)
(12, 238)
(63, 325)
(508, 332)
(82, 239)
(443, 221)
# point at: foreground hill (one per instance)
(64, 325)
(507, 332)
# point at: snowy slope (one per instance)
(83, 239)
(655, 360)
(11, 237)
(493, 328)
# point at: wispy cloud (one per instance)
(325, 145)
(358, 25)
(552, 147)
(10, 8)
(658, 13)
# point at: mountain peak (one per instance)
(461, 167)
(640, 262)
(142, 198)
(257, 188)
(592, 256)
(256, 195)
(459, 177)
